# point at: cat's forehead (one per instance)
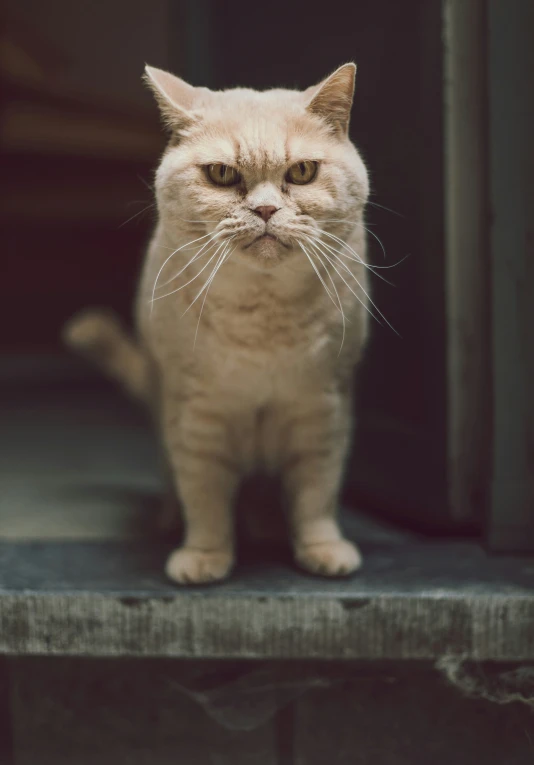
(257, 129)
(246, 101)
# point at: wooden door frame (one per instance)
(466, 211)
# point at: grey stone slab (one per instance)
(75, 463)
(416, 600)
(122, 713)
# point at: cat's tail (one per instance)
(99, 336)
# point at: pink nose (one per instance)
(265, 212)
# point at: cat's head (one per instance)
(262, 171)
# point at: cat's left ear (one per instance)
(174, 96)
(332, 98)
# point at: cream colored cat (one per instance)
(252, 311)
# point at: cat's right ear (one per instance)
(174, 97)
(332, 98)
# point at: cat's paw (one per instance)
(337, 558)
(189, 566)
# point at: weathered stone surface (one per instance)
(418, 600)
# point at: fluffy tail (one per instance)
(98, 336)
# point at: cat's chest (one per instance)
(268, 349)
(266, 327)
(256, 347)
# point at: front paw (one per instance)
(190, 566)
(336, 558)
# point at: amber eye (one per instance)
(302, 172)
(223, 175)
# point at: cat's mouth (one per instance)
(266, 237)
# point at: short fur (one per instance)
(257, 373)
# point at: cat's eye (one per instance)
(223, 175)
(302, 172)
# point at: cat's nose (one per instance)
(265, 211)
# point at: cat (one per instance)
(252, 311)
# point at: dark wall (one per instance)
(104, 44)
(80, 140)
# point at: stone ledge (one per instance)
(417, 600)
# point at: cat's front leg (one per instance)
(315, 451)
(196, 436)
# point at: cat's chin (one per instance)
(265, 252)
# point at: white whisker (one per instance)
(362, 225)
(358, 298)
(145, 183)
(393, 265)
(377, 239)
(382, 207)
(336, 253)
(348, 247)
(373, 268)
(364, 292)
(168, 294)
(344, 245)
(337, 295)
(148, 207)
(353, 256)
(210, 280)
(167, 260)
(198, 254)
(318, 274)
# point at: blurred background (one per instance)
(443, 438)
(81, 135)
